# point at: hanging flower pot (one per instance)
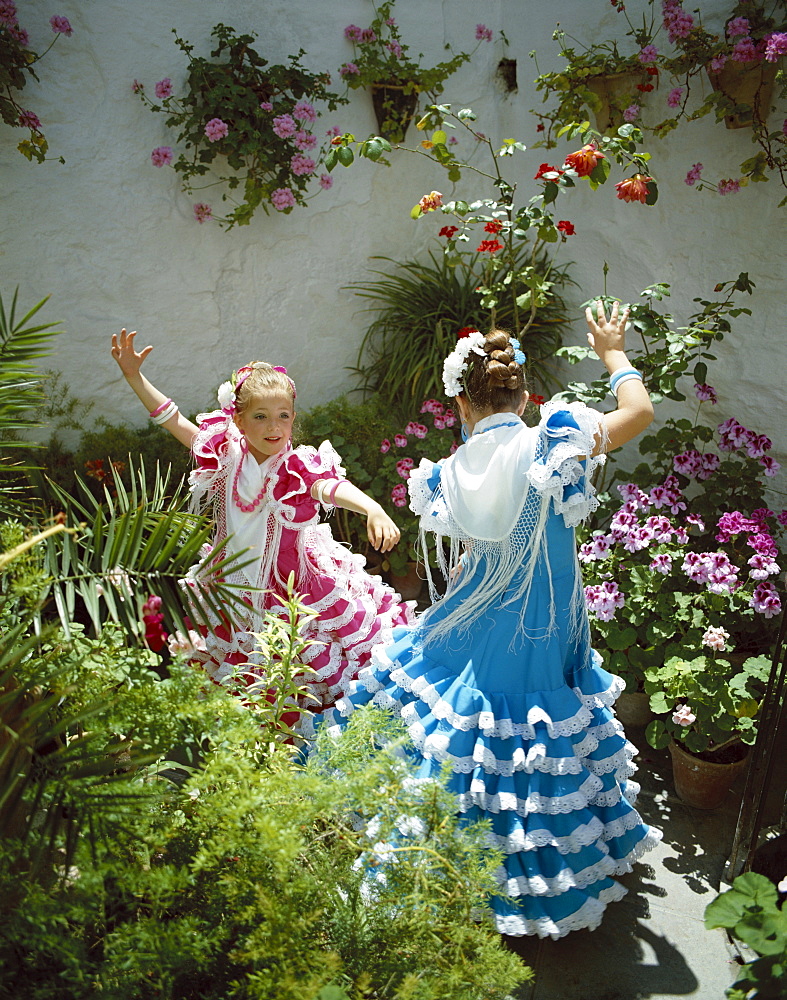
(749, 85)
(703, 783)
(394, 109)
(615, 92)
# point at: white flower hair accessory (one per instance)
(226, 395)
(455, 364)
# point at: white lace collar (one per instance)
(484, 483)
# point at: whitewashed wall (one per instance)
(113, 240)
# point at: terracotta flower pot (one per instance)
(408, 586)
(609, 89)
(749, 85)
(633, 708)
(394, 109)
(700, 783)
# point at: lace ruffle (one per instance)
(586, 917)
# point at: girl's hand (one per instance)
(381, 530)
(607, 336)
(127, 357)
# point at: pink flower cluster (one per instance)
(403, 467)
(734, 436)
(282, 199)
(161, 156)
(399, 495)
(202, 212)
(482, 33)
(304, 112)
(729, 186)
(676, 20)
(349, 69)
(694, 465)
(776, 46)
(163, 88)
(61, 25)
(683, 716)
(674, 97)
(284, 126)
(302, 165)
(8, 20)
(715, 638)
(648, 54)
(216, 129)
(604, 599)
(765, 600)
(694, 174)
(443, 418)
(705, 393)
(714, 569)
(631, 113)
(745, 50)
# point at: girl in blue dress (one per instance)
(498, 678)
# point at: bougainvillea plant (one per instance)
(247, 125)
(17, 62)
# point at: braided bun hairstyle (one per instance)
(495, 382)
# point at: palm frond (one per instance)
(139, 542)
(21, 344)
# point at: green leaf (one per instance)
(621, 638)
(700, 373)
(439, 138)
(345, 155)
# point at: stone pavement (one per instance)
(652, 945)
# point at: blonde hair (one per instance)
(264, 379)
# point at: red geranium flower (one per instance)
(493, 227)
(645, 87)
(536, 400)
(633, 188)
(565, 227)
(584, 160)
(545, 168)
(448, 231)
(489, 246)
(466, 331)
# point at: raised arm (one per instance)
(634, 412)
(130, 362)
(381, 530)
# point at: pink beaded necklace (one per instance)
(247, 508)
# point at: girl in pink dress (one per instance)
(266, 497)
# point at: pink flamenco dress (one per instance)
(267, 512)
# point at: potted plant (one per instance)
(709, 706)
(597, 78)
(741, 64)
(17, 62)
(250, 121)
(381, 61)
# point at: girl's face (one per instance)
(266, 423)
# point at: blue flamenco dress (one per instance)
(499, 680)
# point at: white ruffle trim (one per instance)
(587, 917)
(540, 885)
(537, 804)
(583, 835)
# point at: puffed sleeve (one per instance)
(302, 468)
(565, 462)
(422, 483)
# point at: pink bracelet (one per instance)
(160, 409)
(334, 488)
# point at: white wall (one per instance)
(113, 240)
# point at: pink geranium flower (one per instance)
(164, 88)
(216, 129)
(202, 212)
(61, 25)
(161, 156)
(282, 199)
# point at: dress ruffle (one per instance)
(549, 770)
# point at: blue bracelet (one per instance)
(616, 377)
